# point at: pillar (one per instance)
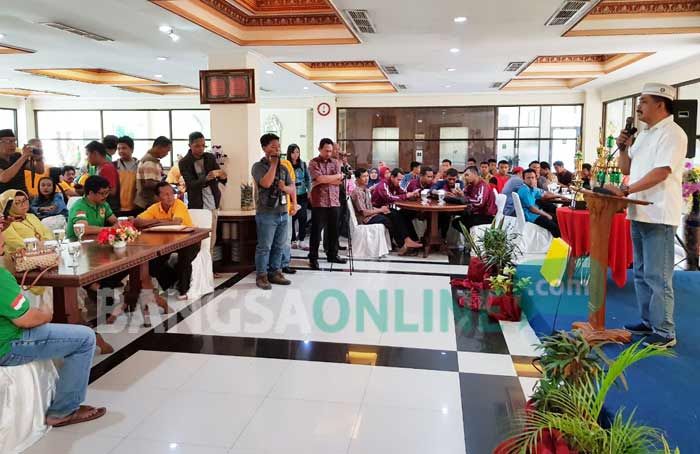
(592, 122)
(236, 127)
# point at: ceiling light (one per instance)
(174, 37)
(420, 121)
(306, 88)
(269, 71)
(454, 50)
(448, 86)
(165, 29)
(158, 76)
(460, 19)
(2, 36)
(161, 58)
(451, 70)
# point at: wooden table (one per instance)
(97, 262)
(432, 234)
(237, 238)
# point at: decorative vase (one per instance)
(119, 245)
(692, 234)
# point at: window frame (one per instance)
(14, 118)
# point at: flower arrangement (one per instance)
(119, 235)
(503, 303)
(691, 180)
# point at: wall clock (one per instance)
(323, 109)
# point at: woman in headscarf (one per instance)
(19, 222)
(384, 173)
(373, 177)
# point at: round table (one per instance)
(431, 237)
(575, 230)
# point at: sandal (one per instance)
(83, 414)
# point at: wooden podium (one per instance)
(602, 209)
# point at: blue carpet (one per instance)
(664, 391)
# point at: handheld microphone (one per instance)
(630, 130)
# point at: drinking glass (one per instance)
(441, 196)
(74, 252)
(59, 235)
(30, 244)
(79, 230)
(424, 196)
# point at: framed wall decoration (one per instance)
(227, 86)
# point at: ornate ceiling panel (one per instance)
(25, 92)
(641, 17)
(329, 71)
(543, 84)
(266, 22)
(160, 89)
(347, 88)
(91, 75)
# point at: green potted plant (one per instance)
(504, 300)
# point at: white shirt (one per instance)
(663, 145)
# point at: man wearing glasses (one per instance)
(13, 164)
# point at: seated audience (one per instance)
(126, 168)
(529, 195)
(512, 185)
(389, 191)
(493, 166)
(49, 202)
(425, 181)
(412, 175)
(97, 157)
(453, 187)
(170, 211)
(480, 200)
(501, 177)
(546, 176)
(150, 172)
(471, 162)
(535, 165)
(586, 175)
(485, 171)
(67, 185)
(565, 177)
(445, 165)
(373, 178)
(19, 222)
(397, 223)
(27, 334)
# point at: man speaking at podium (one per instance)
(654, 163)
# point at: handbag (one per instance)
(40, 259)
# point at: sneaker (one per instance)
(288, 270)
(313, 264)
(659, 340)
(640, 329)
(278, 278)
(262, 282)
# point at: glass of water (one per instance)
(59, 235)
(79, 230)
(30, 244)
(74, 252)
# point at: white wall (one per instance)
(8, 102)
(679, 72)
(295, 128)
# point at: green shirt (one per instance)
(84, 210)
(13, 305)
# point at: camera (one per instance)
(37, 152)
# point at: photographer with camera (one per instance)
(273, 183)
(13, 164)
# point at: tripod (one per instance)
(351, 261)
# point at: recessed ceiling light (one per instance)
(448, 86)
(2, 36)
(165, 29)
(306, 88)
(420, 121)
(460, 19)
(158, 76)
(174, 37)
(451, 69)
(454, 50)
(269, 71)
(161, 58)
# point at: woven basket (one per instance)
(41, 259)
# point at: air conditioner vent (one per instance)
(390, 69)
(76, 31)
(266, 90)
(401, 86)
(567, 11)
(514, 66)
(359, 18)
(496, 85)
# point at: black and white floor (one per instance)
(296, 370)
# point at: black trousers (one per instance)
(399, 224)
(181, 275)
(326, 220)
(300, 217)
(444, 220)
(548, 207)
(469, 220)
(548, 224)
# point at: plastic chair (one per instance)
(368, 241)
(202, 281)
(533, 238)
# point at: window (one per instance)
(8, 119)
(538, 133)
(65, 133)
(454, 150)
(385, 146)
(616, 114)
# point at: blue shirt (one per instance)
(442, 184)
(511, 186)
(406, 179)
(529, 197)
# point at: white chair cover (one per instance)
(509, 222)
(202, 266)
(368, 241)
(25, 394)
(533, 238)
(55, 222)
(71, 201)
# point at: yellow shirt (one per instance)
(290, 169)
(66, 186)
(178, 210)
(17, 231)
(33, 185)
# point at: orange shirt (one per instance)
(178, 210)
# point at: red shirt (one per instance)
(501, 181)
(109, 173)
(480, 198)
(416, 184)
